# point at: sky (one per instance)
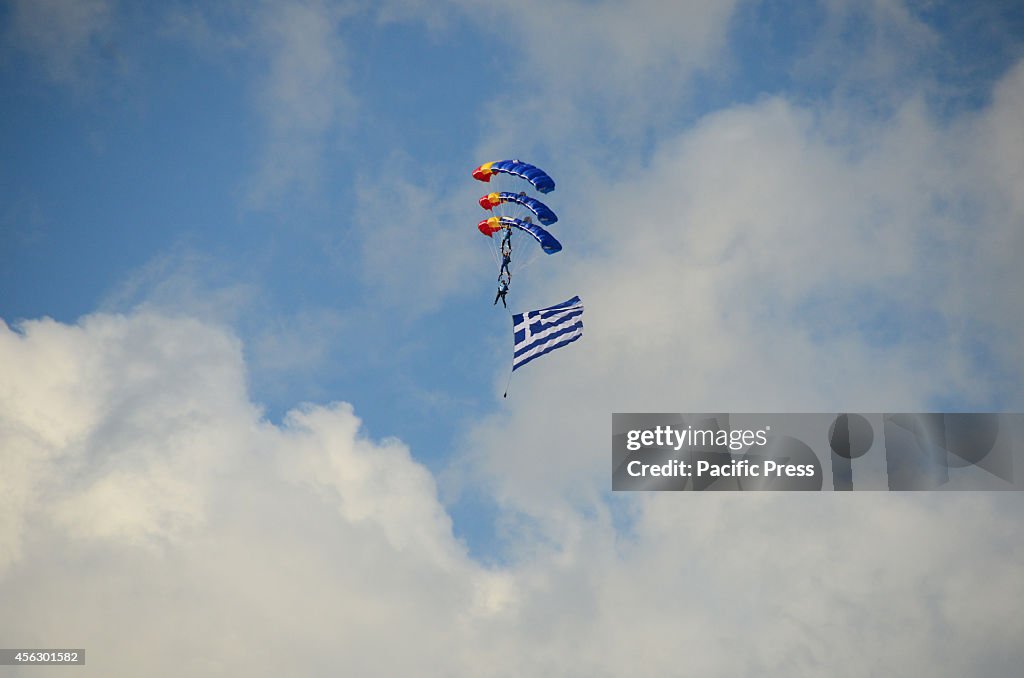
(251, 413)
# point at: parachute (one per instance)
(508, 204)
(516, 217)
(547, 242)
(536, 176)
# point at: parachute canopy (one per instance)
(540, 210)
(536, 176)
(548, 243)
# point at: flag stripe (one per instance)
(517, 319)
(552, 334)
(575, 301)
(533, 317)
(540, 329)
(547, 350)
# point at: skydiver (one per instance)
(506, 257)
(502, 291)
(506, 239)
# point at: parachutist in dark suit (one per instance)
(506, 258)
(502, 291)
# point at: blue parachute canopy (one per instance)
(546, 240)
(540, 210)
(536, 176)
(548, 243)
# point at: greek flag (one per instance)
(542, 331)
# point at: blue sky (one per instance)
(157, 160)
(252, 229)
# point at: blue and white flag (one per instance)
(542, 331)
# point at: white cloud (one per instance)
(872, 50)
(417, 241)
(610, 48)
(90, 402)
(68, 39)
(131, 450)
(183, 281)
(295, 62)
(569, 72)
(614, 47)
(141, 483)
(303, 96)
(298, 343)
